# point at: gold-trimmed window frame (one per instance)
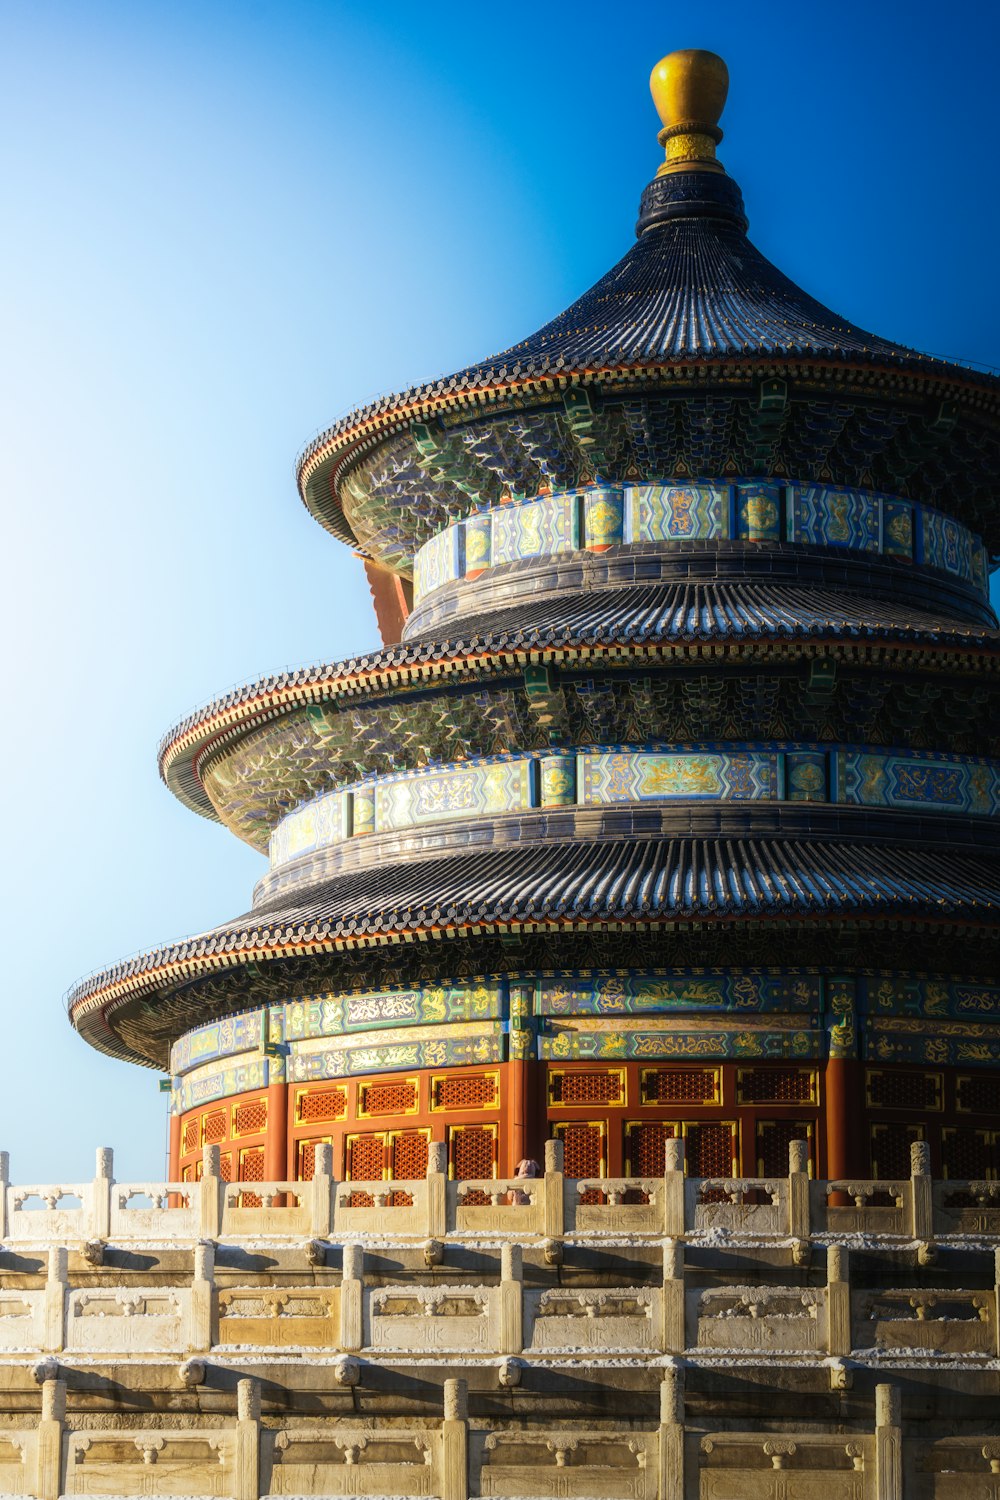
(493, 1074)
(361, 1113)
(323, 1088)
(558, 1074)
(645, 1074)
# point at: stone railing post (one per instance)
(211, 1186)
(554, 1189)
(247, 1466)
(888, 1443)
(670, 1457)
(321, 1192)
(672, 1340)
(996, 1297)
(798, 1190)
(673, 1188)
(510, 1332)
(100, 1208)
(201, 1330)
(55, 1300)
(437, 1189)
(352, 1289)
(49, 1441)
(455, 1441)
(921, 1195)
(4, 1185)
(838, 1300)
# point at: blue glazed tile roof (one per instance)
(693, 288)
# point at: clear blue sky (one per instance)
(224, 224)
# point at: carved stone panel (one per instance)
(625, 1319)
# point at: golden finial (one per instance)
(689, 90)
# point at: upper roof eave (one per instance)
(486, 386)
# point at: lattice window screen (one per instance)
(213, 1128)
(321, 1104)
(888, 1089)
(979, 1095)
(396, 1098)
(710, 1148)
(680, 1086)
(968, 1154)
(465, 1091)
(472, 1149)
(773, 1137)
(584, 1148)
(777, 1086)
(306, 1157)
(250, 1118)
(366, 1157)
(587, 1088)
(644, 1147)
(890, 1147)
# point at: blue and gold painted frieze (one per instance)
(484, 789)
(208, 1083)
(704, 510)
(471, 1045)
(666, 1040)
(676, 512)
(697, 992)
(698, 1013)
(541, 529)
(604, 777)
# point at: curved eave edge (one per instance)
(184, 748)
(90, 1005)
(318, 467)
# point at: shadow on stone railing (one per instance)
(551, 1206)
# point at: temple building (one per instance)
(666, 809)
(601, 1097)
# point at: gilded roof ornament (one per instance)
(689, 90)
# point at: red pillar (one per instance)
(174, 1169)
(276, 1164)
(844, 1118)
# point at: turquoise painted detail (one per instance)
(656, 1014)
(658, 776)
(676, 512)
(499, 785)
(542, 528)
(808, 515)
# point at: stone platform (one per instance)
(657, 1337)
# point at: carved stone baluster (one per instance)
(247, 1475)
(798, 1189)
(352, 1288)
(510, 1333)
(211, 1187)
(554, 1189)
(455, 1441)
(202, 1319)
(49, 1440)
(888, 1443)
(921, 1197)
(100, 1208)
(838, 1300)
(670, 1457)
(672, 1294)
(321, 1191)
(55, 1300)
(673, 1189)
(437, 1189)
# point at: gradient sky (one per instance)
(227, 223)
